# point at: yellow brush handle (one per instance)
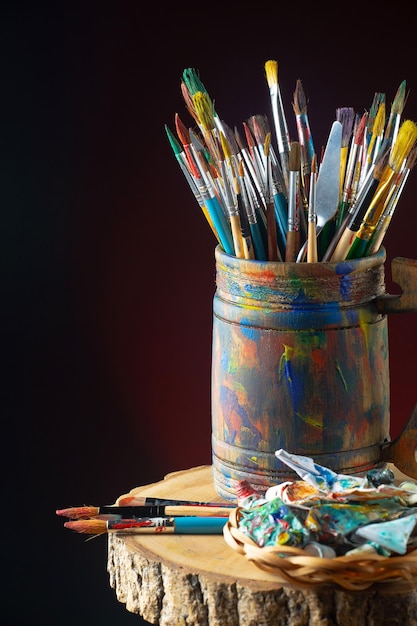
(312, 243)
(237, 236)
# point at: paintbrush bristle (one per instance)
(346, 116)
(204, 110)
(271, 71)
(376, 102)
(192, 80)
(196, 141)
(379, 123)
(300, 102)
(267, 144)
(182, 131)
(88, 526)
(239, 139)
(257, 129)
(259, 126)
(225, 146)
(78, 512)
(248, 134)
(231, 139)
(412, 158)
(175, 145)
(294, 160)
(360, 130)
(381, 163)
(407, 136)
(189, 104)
(399, 100)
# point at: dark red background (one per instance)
(108, 262)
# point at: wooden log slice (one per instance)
(198, 580)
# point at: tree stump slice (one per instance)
(198, 580)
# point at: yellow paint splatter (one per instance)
(285, 358)
(311, 421)
(364, 327)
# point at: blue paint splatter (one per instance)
(344, 267)
(345, 287)
(344, 270)
(229, 399)
(248, 331)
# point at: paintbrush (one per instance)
(377, 135)
(352, 169)
(394, 119)
(150, 525)
(391, 204)
(406, 138)
(147, 510)
(293, 233)
(307, 152)
(280, 123)
(346, 116)
(274, 253)
(377, 100)
(205, 112)
(312, 254)
(371, 115)
(137, 500)
(374, 133)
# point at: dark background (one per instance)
(107, 262)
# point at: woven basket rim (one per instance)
(295, 566)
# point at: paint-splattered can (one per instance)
(299, 362)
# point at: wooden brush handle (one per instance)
(271, 225)
(292, 245)
(312, 255)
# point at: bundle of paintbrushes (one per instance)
(138, 515)
(270, 197)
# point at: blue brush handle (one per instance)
(200, 525)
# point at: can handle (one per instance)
(404, 274)
(402, 450)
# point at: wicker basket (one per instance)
(294, 566)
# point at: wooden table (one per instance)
(179, 580)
